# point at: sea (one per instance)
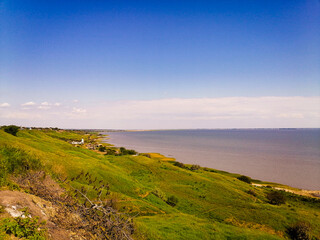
(286, 156)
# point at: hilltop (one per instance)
(147, 196)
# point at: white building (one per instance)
(75, 143)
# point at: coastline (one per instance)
(256, 182)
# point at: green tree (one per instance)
(124, 151)
(276, 198)
(12, 129)
(179, 164)
(299, 231)
(245, 179)
(102, 148)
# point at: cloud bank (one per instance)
(4, 105)
(230, 112)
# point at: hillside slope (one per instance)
(209, 204)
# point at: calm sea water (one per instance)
(290, 157)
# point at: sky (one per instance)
(160, 64)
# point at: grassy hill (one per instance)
(210, 204)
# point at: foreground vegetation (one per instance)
(166, 199)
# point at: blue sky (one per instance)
(81, 54)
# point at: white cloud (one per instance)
(79, 110)
(4, 105)
(75, 100)
(28, 104)
(44, 107)
(57, 104)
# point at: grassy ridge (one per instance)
(211, 204)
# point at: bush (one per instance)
(145, 155)
(158, 193)
(172, 201)
(209, 169)
(26, 228)
(131, 152)
(251, 192)
(195, 167)
(110, 151)
(299, 231)
(12, 129)
(102, 148)
(276, 198)
(124, 151)
(179, 164)
(245, 179)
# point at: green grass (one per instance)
(212, 204)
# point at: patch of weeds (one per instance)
(172, 201)
(145, 155)
(17, 161)
(158, 193)
(251, 192)
(28, 228)
(194, 167)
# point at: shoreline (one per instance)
(262, 183)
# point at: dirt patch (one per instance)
(45, 201)
(14, 202)
(40, 184)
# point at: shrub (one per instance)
(145, 155)
(251, 192)
(131, 152)
(27, 228)
(299, 231)
(195, 167)
(158, 193)
(172, 201)
(110, 151)
(179, 164)
(124, 151)
(276, 198)
(209, 169)
(102, 148)
(12, 129)
(245, 179)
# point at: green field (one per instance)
(211, 204)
